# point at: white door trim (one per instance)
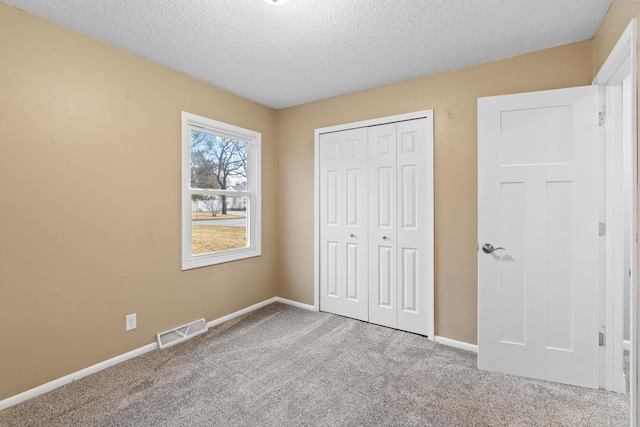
(428, 114)
(621, 61)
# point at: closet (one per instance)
(375, 204)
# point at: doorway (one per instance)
(613, 174)
(617, 82)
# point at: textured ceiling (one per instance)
(307, 50)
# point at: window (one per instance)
(220, 192)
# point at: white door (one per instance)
(538, 199)
(382, 226)
(414, 224)
(343, 223)
(401, 225)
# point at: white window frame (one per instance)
(253, 140)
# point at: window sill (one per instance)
(204, 260)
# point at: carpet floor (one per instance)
(284, 366)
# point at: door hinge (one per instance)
(601, 339)
(602, 229)
(601, 116)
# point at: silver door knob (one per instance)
(353, 235)
(385, 238)
(488, 248)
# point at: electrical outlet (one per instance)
(130, 322)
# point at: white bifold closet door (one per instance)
(375, 227)
(343, 219)
(399, 226)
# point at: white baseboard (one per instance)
(257, 306)
(44, 388)
(52, 385)
(456, 344)
(295, 304)
(239, 313)
(626, 345)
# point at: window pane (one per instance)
(218, 162)
(218, 223)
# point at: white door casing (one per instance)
(343, 223)
(614, 265)
(538, 198)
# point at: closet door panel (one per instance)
(343, 223)
(331, 265)
(382, 216)
(355, 234)
(414, 186)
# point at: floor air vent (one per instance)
(181, 333)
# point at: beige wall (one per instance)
(90, 202)
(453, 96)
(611, 28)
